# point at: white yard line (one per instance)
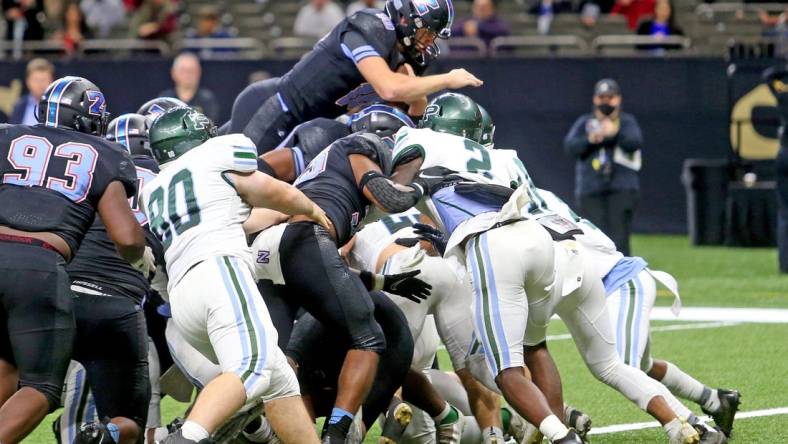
(676, 327)
(654, 424)
(756, 315)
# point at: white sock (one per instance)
(683, 385)
(444, 413)
(712, 404)
(552, 428)
(673, 429)
(492, 435)
(192, 430)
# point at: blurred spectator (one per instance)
(358, 5)
(633, 10)
(103, 15)
(317, 18)
(38, 75)
(589, 14)
(259, 76)
(603, 6)
(53, 10)
(154, 19)
(662, 25)
(606, 144)
(73, 30)
(545, 10)
(208, 25)
(483, 22)
(24, 19)
(186, 73)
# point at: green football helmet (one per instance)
(454, 114)
(178, 130)
(488, 129)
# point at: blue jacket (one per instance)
(595, 171)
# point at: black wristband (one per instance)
(367, 279)
(369, 175)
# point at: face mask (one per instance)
(606, 109)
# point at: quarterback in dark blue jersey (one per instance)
(368, 57)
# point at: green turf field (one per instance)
(750, 357)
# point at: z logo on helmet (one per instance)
(97, 102)
(424, 6)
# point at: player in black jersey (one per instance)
(112, 339)
(346, 178)
(365, 58)
(308, 139)
(55, 176)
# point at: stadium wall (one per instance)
(681, 104)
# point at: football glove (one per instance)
(407, 285)
(432, 235)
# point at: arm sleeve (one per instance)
(357, 47)
(235, 152)
(576, 141)
(367, 35)
(630, 138)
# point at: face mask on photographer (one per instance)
(606, 108)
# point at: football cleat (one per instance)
(395, 424)
(729, 405)
(177, 438)
(577, 420)
(521, 430)
(571, 438)
(336, 433)
(686, 435)
(709, 435)
(263, 434)
(450, 433)
(93, 433)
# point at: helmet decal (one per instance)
(97, 102)
(54, 96)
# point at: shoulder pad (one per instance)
(371, 146)
(373, 24)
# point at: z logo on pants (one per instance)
(263, 256)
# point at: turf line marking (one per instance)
(678, 327)
(654, 424)
(756, 315)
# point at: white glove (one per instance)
(146, 264)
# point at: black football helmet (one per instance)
(382, 120)
(75, 103)
(131, 131)
(159, 105)
(409, 16)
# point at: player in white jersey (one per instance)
(521, 277)
(631, 292)
(196, 207)
(390, 245)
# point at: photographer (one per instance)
(607, 144)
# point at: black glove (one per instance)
(432, 178)
(432, 235)
(407, 285)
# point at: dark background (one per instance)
(682, 105)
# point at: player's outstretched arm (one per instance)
(397, 87)
(378, 189)
(260, 190)
(122, 226)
